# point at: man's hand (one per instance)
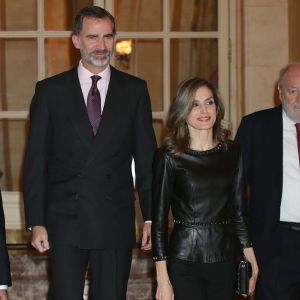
(146, 240)
(3, 295)
(39, 239)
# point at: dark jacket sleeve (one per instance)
(240, 205)
(35, 161)
(163, 181)
(5, 278)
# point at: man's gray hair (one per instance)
(284, 70)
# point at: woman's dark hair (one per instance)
(177, 135)
(95, 12)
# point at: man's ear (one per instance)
(76, 42)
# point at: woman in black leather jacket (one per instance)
(198, 173)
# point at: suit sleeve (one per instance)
(144, 147)
(163, 181)
(5, 278)
(35, 161)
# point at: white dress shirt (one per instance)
(3, 287)
(85, 80)
(290, 200)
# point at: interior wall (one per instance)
(294, 28)
(266, 50)
(260, 48)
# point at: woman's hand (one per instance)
(164, 287)
(250, 256)
(164, 291)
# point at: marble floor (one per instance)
(31, 277)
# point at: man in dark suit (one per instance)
(271, 151)
(87, 124)
(5, 279)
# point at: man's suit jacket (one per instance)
(4, 260)
(80, 186)
(261, 138)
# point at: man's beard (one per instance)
(97, 62)
(292, 110)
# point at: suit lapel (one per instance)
(109, 119)
(114, 110)
(276, 149)
(110, 107)
(75, 107)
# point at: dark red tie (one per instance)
(298, 138)
(94, 104)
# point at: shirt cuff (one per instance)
(148, 222)
(3, 287)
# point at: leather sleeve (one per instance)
(163, 180)
(240, 206)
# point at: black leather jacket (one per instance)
(206, 192)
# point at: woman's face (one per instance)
(204, 112)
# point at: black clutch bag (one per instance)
(244, 272)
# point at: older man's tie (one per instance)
(298, 138)
(94, 104)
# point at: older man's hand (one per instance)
(3, 295)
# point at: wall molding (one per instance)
(13, 210)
